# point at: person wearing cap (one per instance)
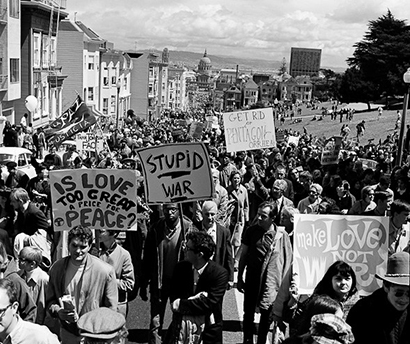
(17, 178)
(221, 236)
(383, 317)
(310, 204)
(79, 283)
(162, 251)
(102, 325)
(13, 329)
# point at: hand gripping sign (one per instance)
(95, 198)
(176, 173)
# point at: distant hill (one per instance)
(191, 60)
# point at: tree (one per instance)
(354, 88)
(283, 69)
(382, 57)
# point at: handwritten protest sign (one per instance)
(320, 240)
(89, 142)
(176, 173)
(99, 199)
(367, 163)
(294, 140)
(331, 150)
(251, 129)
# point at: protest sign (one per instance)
(89, 142)
(320, 240)
(294, 140)
(176, 173)
(280, 136)
(331, 150)
(367, 163)
(99, 199)
(250, 129)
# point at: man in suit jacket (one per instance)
(221, 236)
(198, 273)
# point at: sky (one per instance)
(261, 29)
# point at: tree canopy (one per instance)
(379, 60)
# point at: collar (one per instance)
(110, 249)
(212, 228)
(15, 331)
(201, 270)
(32, 275)
(25, 206)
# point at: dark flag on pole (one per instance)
(75, 119)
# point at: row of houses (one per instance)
(44, 54)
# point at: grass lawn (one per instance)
(377, 129)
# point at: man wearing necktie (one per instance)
(267, 256)
(211, 284)
(221, 237)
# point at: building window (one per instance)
(91, 94)
(106, 81)
(113, 101)
(14, 70)
(45, 51)
(36, 49)
(114, 80)
(105, 106)
(53, 51)
(14, 8)
(91, 62)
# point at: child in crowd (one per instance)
(30, 259)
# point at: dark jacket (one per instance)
(213, 280)
(373, 320)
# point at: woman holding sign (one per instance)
(238, 199)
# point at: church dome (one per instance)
(204, 62)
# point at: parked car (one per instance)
(21, 156)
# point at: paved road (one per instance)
(138, 319)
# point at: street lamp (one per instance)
(406, 78)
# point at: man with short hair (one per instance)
(267, 256)
(78, 284)
(221, 236)
(383, 202)
(199, 274)
(383, 317)
(31, 224)
(399, 236)
(162, 251)
(16, 178)
(15, 330)
(8, 269)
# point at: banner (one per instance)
(176, 173)
(251, 129)
(321, 240)
(75, 119)
(331, 150)
(89, 142)
(99, 199)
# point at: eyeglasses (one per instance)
(400, 293)
(3, 310)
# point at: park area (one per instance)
(376, 128)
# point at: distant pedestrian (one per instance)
(380, 111)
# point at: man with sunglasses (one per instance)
(383, 317)
(13, 329)
(162, 251)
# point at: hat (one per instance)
(10, 163)
(101, 323)
(317, 188)
(398, 271)
(328, 328)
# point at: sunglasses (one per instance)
(400, 293)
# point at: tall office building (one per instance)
(304, 61)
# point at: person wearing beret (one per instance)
(383, 317)
(102, 325)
